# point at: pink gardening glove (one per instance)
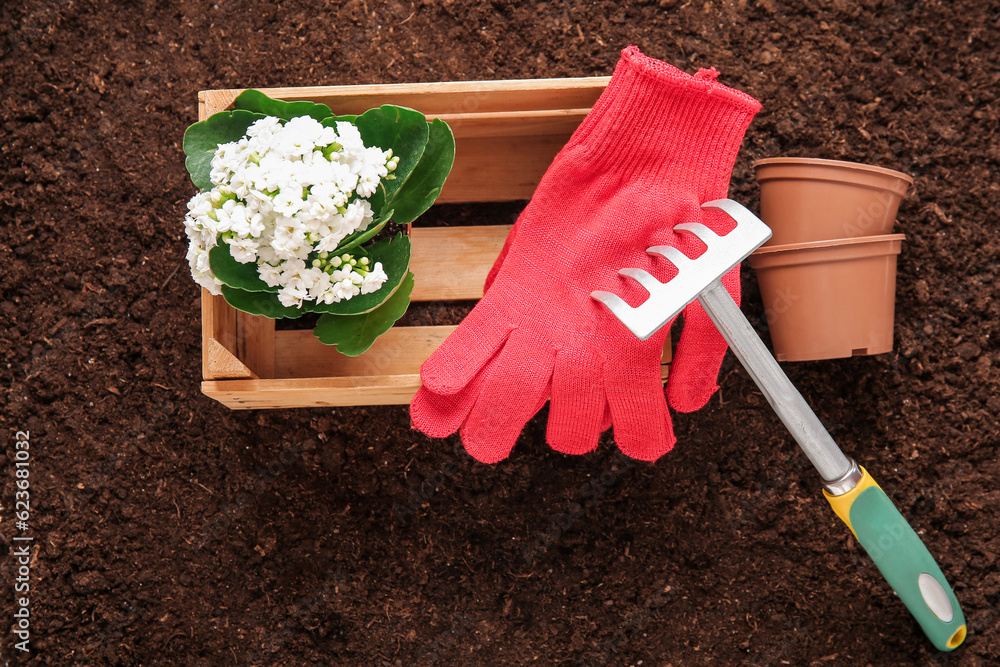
(657, 144)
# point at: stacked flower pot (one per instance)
(828, 275)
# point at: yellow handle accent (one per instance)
(842, 504)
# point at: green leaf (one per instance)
(332, 122)
(394, 254)
(203, 138)
(234, 274)
(260, 303)
(403, 130)
(357, 238)
(254, 100)
(353, 334)
(425, 183)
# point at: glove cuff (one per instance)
(656, 120)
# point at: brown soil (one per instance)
(169, 530)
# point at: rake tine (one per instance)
(645, 279)
(676, 257)
(615, 304)
(706, 235)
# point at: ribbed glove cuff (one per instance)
(655, 119)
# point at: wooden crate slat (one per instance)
(506, 168)
(451, 263)
(513, 123)
(255, 343)
(346, 391)
(399, 351)
(437, 98)
(313, 392)
(218, 323)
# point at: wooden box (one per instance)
(507, 133)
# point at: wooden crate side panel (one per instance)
(438, 98)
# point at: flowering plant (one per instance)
(292, 199)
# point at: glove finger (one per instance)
(438, 416)
(464, 353)
(642, 425)
(578, 408)
(515, 388)
(700, 351)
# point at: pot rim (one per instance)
(829, 243)
(822, 252)
(836, 164)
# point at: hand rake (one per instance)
(856, 498)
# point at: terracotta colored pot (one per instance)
(807, 199)
(829, 299)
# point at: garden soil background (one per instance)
(169, 530)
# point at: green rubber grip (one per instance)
(907, 566)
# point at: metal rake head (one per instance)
(668, 299)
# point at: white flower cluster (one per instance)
(284, 196)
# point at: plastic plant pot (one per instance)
(829, 299)
(808, 199)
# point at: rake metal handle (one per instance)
(792, 409)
